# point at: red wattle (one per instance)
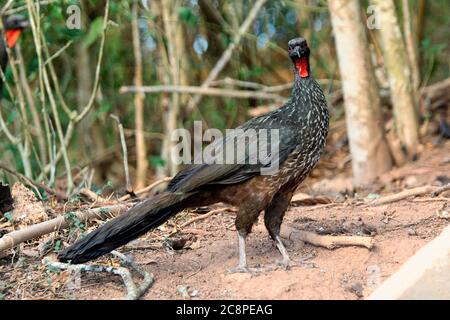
(12, 36)
(302, 67)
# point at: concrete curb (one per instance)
(426, 275)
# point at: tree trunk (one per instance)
(141, 150)
(399, 74)
(411, 47)
(174, 35)
(370, 153)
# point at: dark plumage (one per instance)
(13, 26)
(303, 126)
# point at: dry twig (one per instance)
(326, 241)
(14, 238)
(146, 189)
(439, 190)
(435, 191)
(33, 184)
(125, 154)
(91, 195)
(133, 292)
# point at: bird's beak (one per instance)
(296, 52)
(12, 36)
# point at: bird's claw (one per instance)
(251, 270)
(239, 269)
(286, 264)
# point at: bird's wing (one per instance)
(246, 164)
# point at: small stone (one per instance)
(194, 293)
(412, 232)
(183, 290)
(443, 214)
(411, 181)
(357, 289)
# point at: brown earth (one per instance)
(400, 229)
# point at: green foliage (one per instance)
(8, 216)
(12, 115)
(100, 190)
(58, 246)
(156, 161)
(95, 30)
(52, 269)
(430, 52)
(75, 223)
(96, 137)
(186, 15)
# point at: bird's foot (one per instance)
(288, 263)
(239, 269)
(251, 270)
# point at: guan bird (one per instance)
(302, 126)
(13, 27)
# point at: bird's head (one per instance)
(14, 24)
(299, 53)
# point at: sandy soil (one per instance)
(400, 229)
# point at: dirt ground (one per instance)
(400, 229)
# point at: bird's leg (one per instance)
(287, 262)
(282, 250)
(273, 218)
(247, 215)
(242, 267)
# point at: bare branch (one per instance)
(226, 55)
(229, 93)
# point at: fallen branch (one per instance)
(439, 190)
(436, 95)
(329, 242)
(14, 238)
(133, 292)
(431, 199)
(91, 195)
(404, 194)
(303, 199)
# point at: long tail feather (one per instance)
(128, 226)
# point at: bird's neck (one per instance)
(305, 93)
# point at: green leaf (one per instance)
(8, 216)
(156, 161)
(187, 16)
(58, 246)
(52, 269)
(11, 117)
(95, 30)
